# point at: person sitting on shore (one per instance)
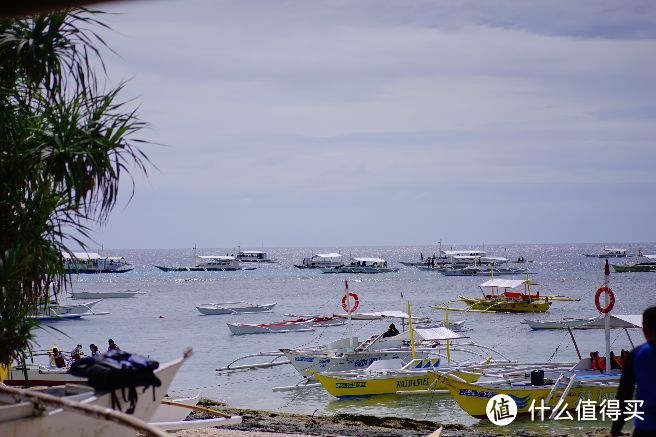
(391, 331)
(638, 370)
(112, 345)
(57, 358)
(95, 353)
(77, 353)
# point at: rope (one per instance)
(557, 347)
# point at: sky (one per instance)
(342, 123)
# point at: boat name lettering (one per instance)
(476, 393)
(418, 382)
(364, 362)
(350, 384)
(308, 359)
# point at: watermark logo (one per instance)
(501, 410)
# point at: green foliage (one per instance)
(64, 144)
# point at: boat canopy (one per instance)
(252, 252)
(328, 255)
(614, 249)
(463, 252)
(649, 256)
(506, 283)
(440, 333)
(370, 260)
(221, 257)
(81, 255)
(495, 258)
(377, 315)
(616, 321)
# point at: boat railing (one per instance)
(274, 362)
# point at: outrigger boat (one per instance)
(557, 386)
(253, 256)
(608, 252)
(498, 298)
(104, 294)
(66, 312)
(231, 308)
(362, 265)
(648, 264)
(321, 260)
(91, 262)
(480, 271)
(573, 323)
(209, 263)
(298, 325)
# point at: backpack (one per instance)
(118, 370)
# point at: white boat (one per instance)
(572, 323)
(40, 376)
(60, 312)
(321, 260)
(33, 413)
(254, 256)
(362, 265)
(91, 262)
(609, 252)
(209, 263)
(104, 294)
(480, 271)
(222, 308)
(299, 325)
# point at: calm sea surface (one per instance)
(164, 321)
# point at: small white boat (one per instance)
(226, 308)
(104, 294)
(572, 323)
(609, 252)
(481, 271)
(299, 325)
(40, 376)
(61, 312)
(321, 260)
(362, 265)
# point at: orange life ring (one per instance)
(345, 302)
(611, 299)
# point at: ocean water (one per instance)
(164, 321)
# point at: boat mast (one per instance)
(348, 305)
(607, 317)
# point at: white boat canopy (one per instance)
(221, 257)
(616, 321)
(649, 256)
(464, 252)
(328, 255)
(81, 255)
(440, 333)
(506, 283)
(370, 260)
(378, 315)
(252, 252)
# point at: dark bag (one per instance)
(118, 370)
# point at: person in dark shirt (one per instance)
(639, 370)
(112, 345)
(391, 331)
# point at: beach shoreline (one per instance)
(276, 424)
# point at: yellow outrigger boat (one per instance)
(498, 297)
(417, 375)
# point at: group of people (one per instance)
(57, 358)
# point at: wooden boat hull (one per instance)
(364, 386)
(506, 306)
(473, 398)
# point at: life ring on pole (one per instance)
(611, 299)
(345, 303)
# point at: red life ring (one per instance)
(345, 302)
(611, 299)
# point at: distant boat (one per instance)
(209, 263)
(59, 312)
(226, 308)
(91, 262)
(480, 271)
(573, 323)
(104, 294)
(321, 260)
(254, 256)
(648, 264)
(298, 325)
(608, 252)
(522, 260)
(362, 265)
